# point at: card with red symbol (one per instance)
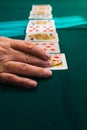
(50, 47)
(38, 17)
(58, 61)
(39, 26)
(41, 22)
(40, 12)
(46, 7)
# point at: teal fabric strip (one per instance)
(17, 28)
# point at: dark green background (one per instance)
(59, 103)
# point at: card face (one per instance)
(50, 47)
(58, 62)
(33, 28)
(41, 7)
(40, 12)
(41, 22)
(42, 37)
(45, 16)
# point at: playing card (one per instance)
(58, 61)
(38, 28)
(50, 47)
(40, 12)
(41, 22)
(42, 7)
(42, 37)
(46, 16)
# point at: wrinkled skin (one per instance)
(18, 57)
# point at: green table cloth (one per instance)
(58, 103)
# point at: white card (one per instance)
(58, 61)
(34, 28)
(40, 12)
(42, 37)
(41, 22)
(50, 47)
(40, 16)
(42, 7)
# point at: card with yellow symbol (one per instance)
(58, 62)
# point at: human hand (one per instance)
(18, 57)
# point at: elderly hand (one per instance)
(19, 57)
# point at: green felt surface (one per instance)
(58, 103)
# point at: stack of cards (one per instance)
(41, 12)
(41, 30)
(42, 33)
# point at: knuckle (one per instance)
(42, 63)
(4, 59)
(30, 45)
(3, 63)
(23, 68)
(28, 58)
(1, 69)
(5, 48)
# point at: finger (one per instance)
(5, 39)
(29, 59)
(25, 69)
(29, 48)
(7, 78)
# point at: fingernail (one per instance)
(49, 64)
(33, 83)
(47, 73)
(47, 55)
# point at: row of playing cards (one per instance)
(41, 31)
